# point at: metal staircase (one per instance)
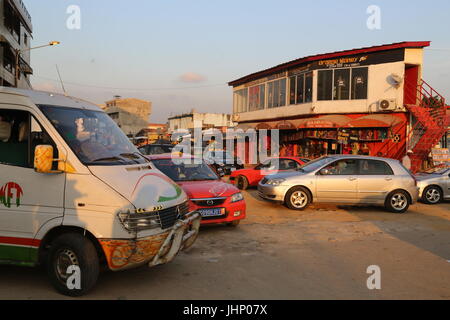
(429, 124)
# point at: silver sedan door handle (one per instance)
(352, 178)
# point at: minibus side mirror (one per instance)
(43, 159)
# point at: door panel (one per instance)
(27, 199)
(338, 182)
(374, 181)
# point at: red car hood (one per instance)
(207, 189)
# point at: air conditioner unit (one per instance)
(387, 105)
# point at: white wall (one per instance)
(379, 88)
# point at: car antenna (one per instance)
(60, 79)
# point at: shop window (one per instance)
(325, 85)
(256, 99)
(292, 90)
(341, 89)
(277, 93)
(301, 88)
(359, 83)
(308, 87)
(240, 100)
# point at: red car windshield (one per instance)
(185, 172)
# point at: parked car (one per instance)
(344, 179)
(245, 178)
(224, 160)
(69, 197)
(150, 149)
(434, 185)
(217, 201)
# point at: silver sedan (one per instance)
(344, 179)
(434, 185)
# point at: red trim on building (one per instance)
(20, 241)
(294, 63)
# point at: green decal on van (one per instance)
(7, 194)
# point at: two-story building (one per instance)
(359, 101)
(15, 38)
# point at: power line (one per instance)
(130, 89)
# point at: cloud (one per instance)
(45, 86)
(192, 77)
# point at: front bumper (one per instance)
(154, 250)
(234, 211)
(272, 193)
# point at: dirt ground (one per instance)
(321, 253)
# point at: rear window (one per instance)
(374, 168)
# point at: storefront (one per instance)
(359, 134)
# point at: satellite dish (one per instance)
(396, 79)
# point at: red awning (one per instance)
(374, 121)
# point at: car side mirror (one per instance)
(43, 159)
(324, 172)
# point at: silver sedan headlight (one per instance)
(275, 182)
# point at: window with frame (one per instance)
(342, 168)
(256, 99)
(20, 133)
(374, 168)
(325, 85)
(240, 100)
(277, 93)
(360, 78)
(300, 88)
(342, 84)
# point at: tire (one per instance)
(298, 198)
(72, 249)
(397, 201)
(432, 195)
(234, 223)
(242, 183)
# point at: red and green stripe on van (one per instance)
(21, 251)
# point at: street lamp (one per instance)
(18, 52)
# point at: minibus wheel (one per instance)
(73, 264)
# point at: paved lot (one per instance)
(321, 253)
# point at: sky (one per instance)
(180, 54)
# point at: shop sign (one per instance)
(320, 124)
(441, 156)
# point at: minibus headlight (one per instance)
(134, 222)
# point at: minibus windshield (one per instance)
(93, 136)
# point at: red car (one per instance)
(251, 177)
(216, 200)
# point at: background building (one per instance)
(204, 120)
(360, 101)
(15, 34)
(130, 114)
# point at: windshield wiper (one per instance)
(108, 159)
(133, 156)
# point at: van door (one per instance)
(338, 182)
(27, 199)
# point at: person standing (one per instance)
(406, 161)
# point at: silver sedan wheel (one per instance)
(433, 195)
(399, 201)
(299, 199)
